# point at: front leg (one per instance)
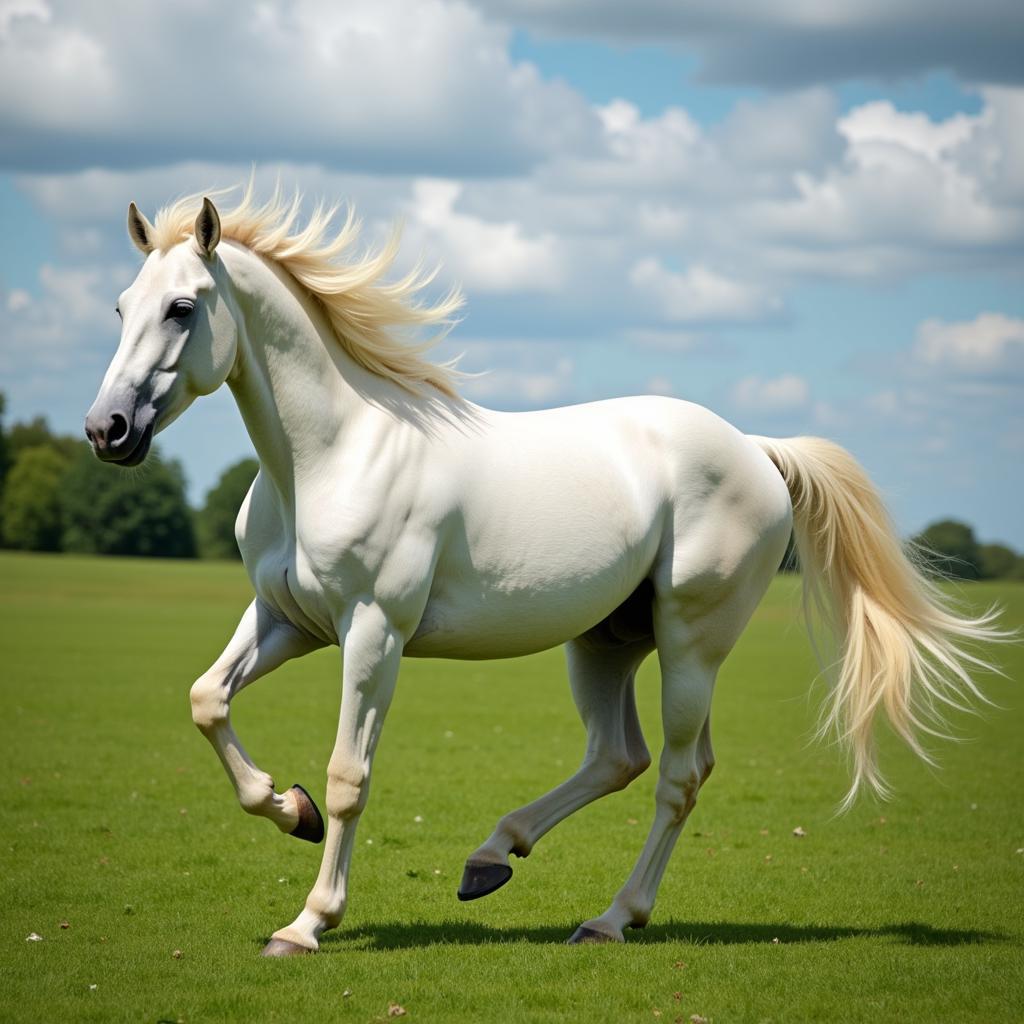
(372, 652)
(260, 644)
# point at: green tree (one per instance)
(997, 561)
(37, 432)
(215, 523)
(112, 511)
(951, 549)
(31, 500)
(4, 450)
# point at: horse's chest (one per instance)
(286, 581)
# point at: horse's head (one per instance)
(179, 340)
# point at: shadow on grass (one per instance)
(393, 935)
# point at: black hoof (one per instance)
(310, 826)
(282, 947)
(482, 879)
(589, 936)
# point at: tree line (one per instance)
(55, 495)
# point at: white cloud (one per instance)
(991, 343)
(958, 384)
(486, 256)
(881, 122)
(910, 195)
(635, 139)
(535, 388)
(796, 129)
(655, 236)
(668, 340)
(996, 156)
(99, 197)
(700, 295)
(662, 226)
(69, 325)
(782, 189)
(777, 394)
(17, 300)
(13, 10)
(639, 154)
(524, 381)
(383, 83)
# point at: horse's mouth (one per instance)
(140, 451)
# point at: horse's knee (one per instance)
(209, 706)
(347, 790)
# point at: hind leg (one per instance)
(686, 762)
(601, 671)
(695, 626)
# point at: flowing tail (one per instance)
(902, 644)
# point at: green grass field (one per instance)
(120, 822)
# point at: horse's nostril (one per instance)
(118, 429)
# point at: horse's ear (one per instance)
(207, 229)
(140, 231)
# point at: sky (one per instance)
(808, 217)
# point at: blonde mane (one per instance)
(361, 307)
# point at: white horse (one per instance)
(392, 517)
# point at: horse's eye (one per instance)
(179, 309)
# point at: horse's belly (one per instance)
(498, 628)
(501, 620)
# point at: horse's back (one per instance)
(562, 513)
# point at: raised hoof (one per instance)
(311, 824)
(584, 935)
(282, 947)
(482, 879)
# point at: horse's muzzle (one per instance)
(114, 438)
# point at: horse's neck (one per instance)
(292, 381)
